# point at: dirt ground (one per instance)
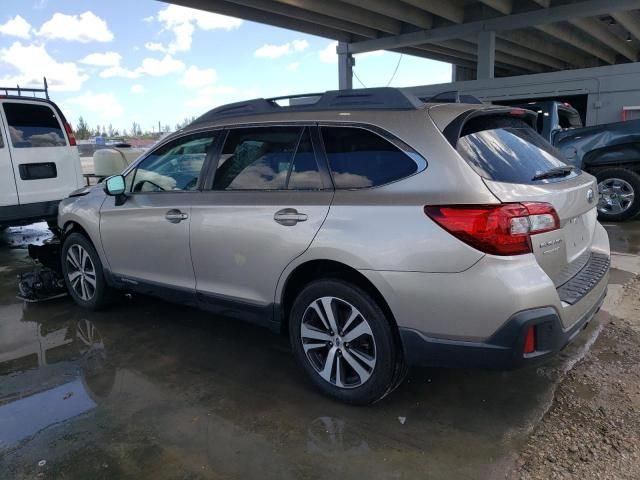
(592, 430)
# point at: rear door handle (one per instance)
(289, 217)
(176, 216)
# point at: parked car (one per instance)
(611, 152)
(39, 162)
(378, 231)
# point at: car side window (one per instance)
(360, 158)
(305, 174)
(32, 126)
(257, 158)
(175, 166)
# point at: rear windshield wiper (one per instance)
(554, 172)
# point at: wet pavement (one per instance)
(150, 390)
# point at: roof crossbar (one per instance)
(21, 91)
(383, 98)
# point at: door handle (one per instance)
(175, 216)
(289, 217)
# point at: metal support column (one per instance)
(486, 54)
(345, 66)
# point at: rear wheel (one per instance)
(619, 190)
(344, 342)
(83, 274)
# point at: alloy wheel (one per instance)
(616, 196)
(81, 272)
(338, 342)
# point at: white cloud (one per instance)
(276, 51)
(107, 59)
(210, 97)
(31, 62)
(84, 28)
(104, 105)
(292, 67)
(149, 19)
(119, 71)
(16, 27)
(300, 45)
(195, 77)
(182, 21)
(328, 54)
(137, 88)
(154, 46)
(159, 68)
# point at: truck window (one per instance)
(32, 126)
(569, 118)
(507, 149)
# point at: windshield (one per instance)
(514, 155)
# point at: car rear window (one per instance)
(360, 158)
(32, 125)
(507, 149)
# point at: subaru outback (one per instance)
(377, 231)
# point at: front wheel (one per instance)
(345, 343)
(619, 190)
(83, 274)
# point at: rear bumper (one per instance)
(504, 350)
(29, 212)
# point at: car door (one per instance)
(268, 199)
(146, 236)
(44, 164)
(8, 191)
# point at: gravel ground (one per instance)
(592, 430)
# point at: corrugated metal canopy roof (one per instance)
(531, 35)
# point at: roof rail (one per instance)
(383, 98)
(452, 96)
(21, 91)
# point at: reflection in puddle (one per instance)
(49, 371)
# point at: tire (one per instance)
(89, 289)
(359, 365)
(619, 190)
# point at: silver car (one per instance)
(375, 230)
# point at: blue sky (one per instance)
(121, 61)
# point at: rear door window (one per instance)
(32, 126)
(268, 158)
(360, 158)
(506, 149)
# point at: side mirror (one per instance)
(114, 185)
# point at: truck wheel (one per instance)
(345, 343)
(619, 190)
(83, 275)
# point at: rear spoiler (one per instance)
(453, 131)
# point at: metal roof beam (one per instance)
(579, 41)
(336, 9)
(508, 22)
(503, 6)
(570, 55)
(286, 11)
(239, 11)
(404, 13)
(539, 56)
(600, 32)
(452, 10)
(627, 21)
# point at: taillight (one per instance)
(502, 229)
(72, 137)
